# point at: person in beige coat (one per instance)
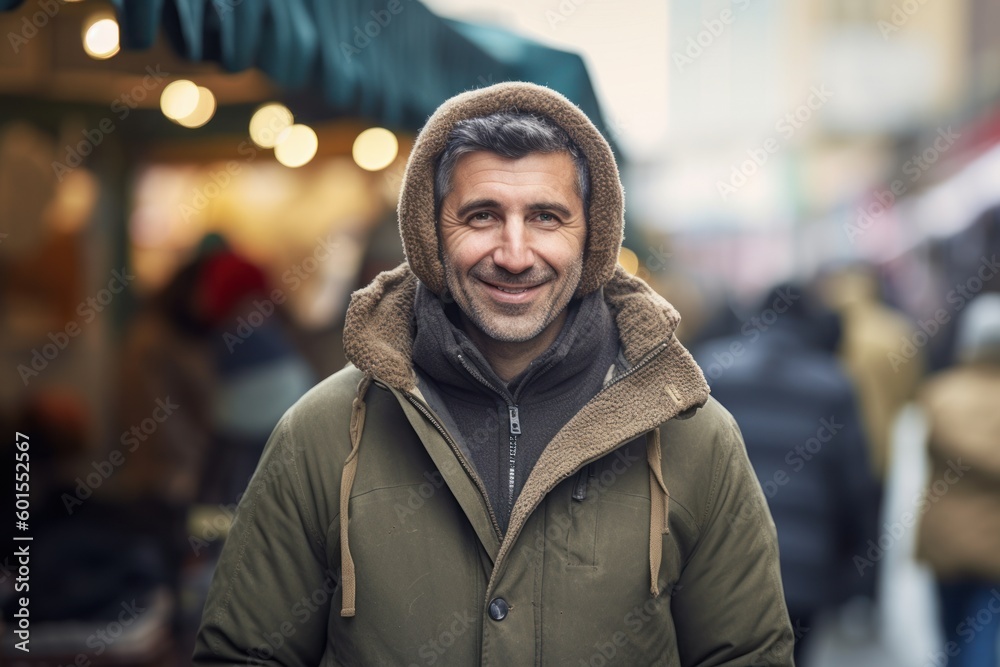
(960, 531)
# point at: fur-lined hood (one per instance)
(417, 220)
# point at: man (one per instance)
(487, 481)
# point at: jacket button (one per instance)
(499, 609)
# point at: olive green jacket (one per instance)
(365, 538)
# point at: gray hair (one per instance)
(510, 134)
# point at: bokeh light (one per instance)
(268, 122)
(203, 110)
(296, 145)
(375, 149)
(179, 99)
(628, 260)
(100, 39)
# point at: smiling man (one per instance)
(513, 232)
(521, 465)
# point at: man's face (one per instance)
(512, 234)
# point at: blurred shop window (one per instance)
(307, 229)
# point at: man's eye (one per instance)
(482, 215)
(547, 217)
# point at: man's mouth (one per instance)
(511, 289)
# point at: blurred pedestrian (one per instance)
(884, 379)
(960, 532)
(259, 371)
(797, 411)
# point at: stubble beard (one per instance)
(511, 323)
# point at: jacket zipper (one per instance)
(461, 459)
(642, 362)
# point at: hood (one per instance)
(417, 220)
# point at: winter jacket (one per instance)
(599, 564)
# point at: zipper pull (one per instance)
(515, 422)
(580, 491)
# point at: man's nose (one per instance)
(514, 252)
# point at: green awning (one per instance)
(393, 61)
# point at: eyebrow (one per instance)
(477, 203)
(551, 206)
(492, 203)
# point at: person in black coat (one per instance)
(796, 408)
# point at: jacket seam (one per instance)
(714, 489)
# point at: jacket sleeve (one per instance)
(729, 606)
(269, 602)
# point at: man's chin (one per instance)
(510, 332)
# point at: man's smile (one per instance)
(511, 293)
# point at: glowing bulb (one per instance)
(268, 122)
(296, 145)
(203, 110)
(375, 149)
(179, 99)
(100, 40)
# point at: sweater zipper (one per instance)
(461, 459)
(514, 429)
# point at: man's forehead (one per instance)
(485, 170)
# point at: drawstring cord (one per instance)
(348, 579)
(659, 508)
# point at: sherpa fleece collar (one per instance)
(417, 220)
